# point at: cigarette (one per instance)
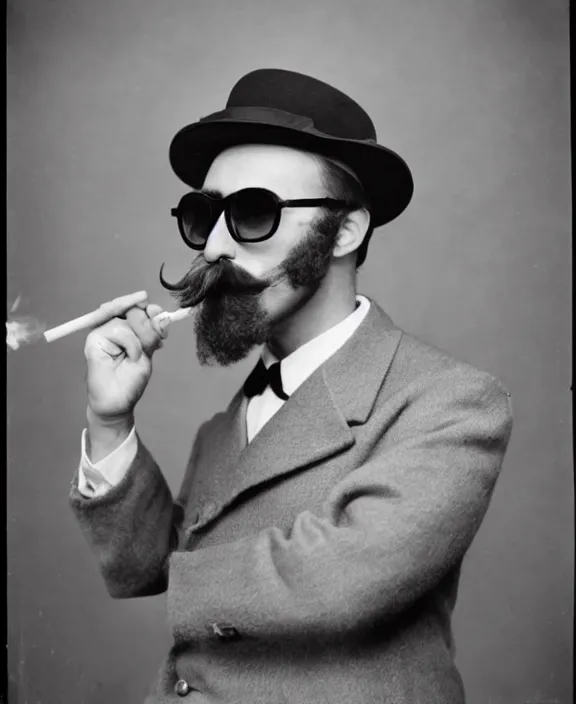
(101, 316)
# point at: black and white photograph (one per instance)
(289, 352)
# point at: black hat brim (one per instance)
(385, 176)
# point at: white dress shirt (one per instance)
(96, 479)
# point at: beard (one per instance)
(231, 319)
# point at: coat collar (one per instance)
(312, 425)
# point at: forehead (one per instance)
(288, 172)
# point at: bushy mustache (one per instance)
(204, 279)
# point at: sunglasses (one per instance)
(252, 214)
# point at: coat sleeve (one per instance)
(387, 534)
(133, 527)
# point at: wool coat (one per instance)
(319, 563)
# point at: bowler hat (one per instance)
(274, 106)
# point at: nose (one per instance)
(220, 243)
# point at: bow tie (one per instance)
(260, 378)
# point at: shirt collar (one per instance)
(301, 364)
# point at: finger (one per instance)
(162, 324)
(119, 306)
(115, 337)
(143, 327)
(159, 323)
(153, 309)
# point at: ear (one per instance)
(352, 232)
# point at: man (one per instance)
(313, 552)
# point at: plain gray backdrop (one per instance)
(474, 94)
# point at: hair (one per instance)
(342, 185)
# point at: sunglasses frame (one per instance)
(219, 205)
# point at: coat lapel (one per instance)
(312, 425)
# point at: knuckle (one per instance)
(136, 317)
(143, 327)
(116, 326)
(153, 309)
(91, 346)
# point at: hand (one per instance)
(119, 359)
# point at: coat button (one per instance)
(224, 632)
(182, 688)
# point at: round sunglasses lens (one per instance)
(253, 212)
(195, 219)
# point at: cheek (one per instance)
(261, 259)
(260, 263)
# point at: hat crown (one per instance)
(331, 111)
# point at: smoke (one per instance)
(22, 329)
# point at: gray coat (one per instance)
(319, 563)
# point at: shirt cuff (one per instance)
(95, 479)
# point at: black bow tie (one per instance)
(260, 378)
